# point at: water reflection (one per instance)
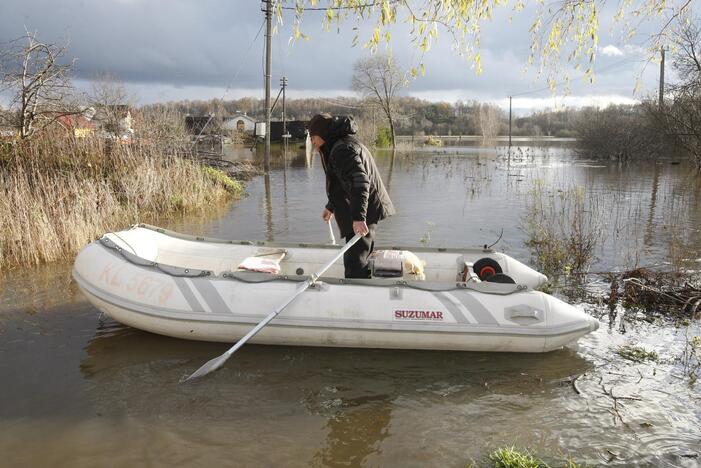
(355, 432)
(270, 235)
(353, 396)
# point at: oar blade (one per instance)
(209, 366)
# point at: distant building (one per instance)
(296, 129)
(240, 123)
(8, 133)
(115, 120)
(78, 124)
(202, 124)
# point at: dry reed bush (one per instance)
(59, 193)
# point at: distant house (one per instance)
(296, 129)
(78, 124)
(8, 133)
(114, 120)
(240, 123)
(202, 124)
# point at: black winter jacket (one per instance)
(353, 185)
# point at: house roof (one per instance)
(75, 121)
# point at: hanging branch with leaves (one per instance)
(560, 29)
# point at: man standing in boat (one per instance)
(357, 198)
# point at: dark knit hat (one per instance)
(320, 125)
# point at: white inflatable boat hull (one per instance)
(186, 287)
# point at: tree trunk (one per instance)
(391, 130)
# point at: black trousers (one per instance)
(355, 260)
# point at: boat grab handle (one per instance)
(524, 312)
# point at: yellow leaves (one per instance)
(478, 63)
(387, 13)
(424, 46)
(298, 34)
(636, 88)
(423, 69)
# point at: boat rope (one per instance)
(486, 247)
(133, 250)
(486, 288)
(167, 269)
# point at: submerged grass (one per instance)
(57, 193)
(637, 353)
(510, 457)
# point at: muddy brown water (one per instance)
(78, 389)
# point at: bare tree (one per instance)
(489, 121)
(379, 79)
(111, 103)
(39, 84)
(680, 117)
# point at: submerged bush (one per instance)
(433, 141)
(622, 133)
(222, 179)
(58, 193)
(563, 228)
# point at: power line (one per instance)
(356, 7)
(243, 61)
(349, 106)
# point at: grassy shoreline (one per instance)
(58, 193)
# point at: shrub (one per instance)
(621, 133)
(563, 229)
(384, 138)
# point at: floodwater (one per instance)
(79, 389)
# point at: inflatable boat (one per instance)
(420, 298)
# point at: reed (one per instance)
(58, 193)
(563, 229)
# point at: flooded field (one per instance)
(81, 390)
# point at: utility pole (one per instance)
(509, 121)
(662, 78)
(268, 72)
(283, 83)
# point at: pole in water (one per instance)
(509, 122)
(268, 72)
(662, 77)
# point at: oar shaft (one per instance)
(331, 235)
(218, 362)
(312, 279)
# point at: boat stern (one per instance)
(521, 273)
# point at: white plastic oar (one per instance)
(219, 361)
(331, 236)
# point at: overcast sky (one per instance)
(185, 49)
